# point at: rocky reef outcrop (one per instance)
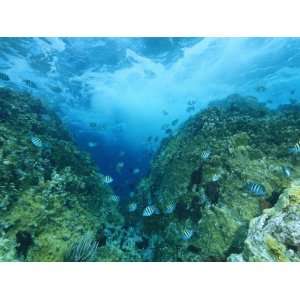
(50, 193)
(275, 235)
(205, 170)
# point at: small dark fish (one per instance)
(156, 139)
(190, 109)
(4, 77)
(256, 189)
(292, 92)
(191, 102)
(30, 83)
(260, 88)
(174, 123)
(165, 112)
(56, 89)
(169, 131)
(293, 101)
(149, 139)
(93, 124)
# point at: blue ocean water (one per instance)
(120, 97)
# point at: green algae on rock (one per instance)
(248, 143)
(50, 196)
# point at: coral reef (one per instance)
(224, 188)
(50, 193)
(205, 169)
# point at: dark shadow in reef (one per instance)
(212, 190)
(24, 242)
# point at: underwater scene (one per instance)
(150, 149)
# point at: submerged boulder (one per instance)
(51, 194)
(223, 168)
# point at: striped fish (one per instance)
(4, 77)
(256, 189)
(115, 198)
(132, 207)
(149, 211)
(108, 179)
(170, 208)
(37, 142)
(30, 83)
(205, 154)
(187, 234)
(295, 149)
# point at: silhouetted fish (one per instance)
(169, 131)
(191, 102)
(174, 122)
(93, 124)
(30, 83)
(4, 77)
(190, 108)
(260, 88)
